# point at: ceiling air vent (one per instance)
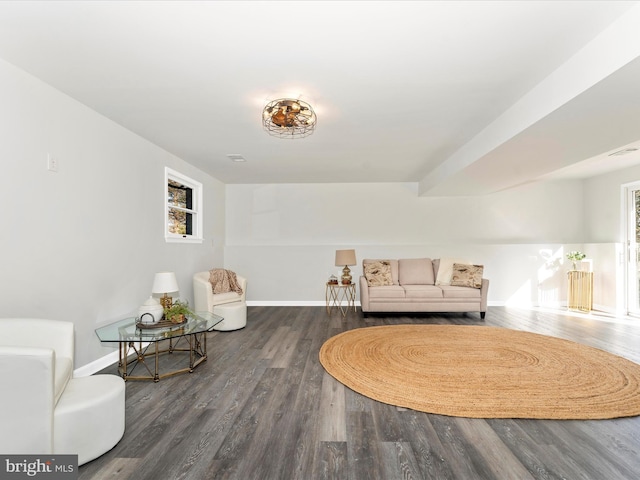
(236, 157)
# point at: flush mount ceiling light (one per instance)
(289, 118)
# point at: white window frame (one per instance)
(196, 209)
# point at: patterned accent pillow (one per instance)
(445, 269)
(378, 274)
(467, 275)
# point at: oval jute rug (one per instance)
(483, 372)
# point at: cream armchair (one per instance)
(205, 299)
(43, 409)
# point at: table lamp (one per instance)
(346, 258)
(165, 282)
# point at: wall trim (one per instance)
(97, 365)
(288, 303)
(318, 303)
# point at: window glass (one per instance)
(183, 206)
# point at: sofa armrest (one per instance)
(364, 294)
(484, 291)
(27, 400)
(201, 292)
(36, 332)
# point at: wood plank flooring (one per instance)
(262, 407)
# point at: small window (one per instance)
(183, 208)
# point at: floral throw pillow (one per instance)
(467, 275)
(378, 274)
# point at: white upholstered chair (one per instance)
(205, 299)
(43, 409)
(230, 305)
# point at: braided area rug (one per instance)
(483, 372)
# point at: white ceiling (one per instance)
(404, 91)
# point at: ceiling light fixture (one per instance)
(289, 118)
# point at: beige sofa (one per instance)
(416, 286)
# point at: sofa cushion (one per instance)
(436, 266)
(378, 273)
(415, 271)
(391, 291)
(445, 270)
(467, 275)
(422, 291)
(449, 291)
(227, 297)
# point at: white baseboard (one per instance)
(99, 364)
(301, 303)
(96, 365)
(319, 303)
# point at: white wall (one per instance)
(603, 203)
(605, 234)
(83, 244)
(284, 237)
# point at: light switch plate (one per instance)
(52, 163)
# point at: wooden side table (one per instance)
(337, 294)
(580, 290)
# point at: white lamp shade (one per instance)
(345, 257)
(165, 282)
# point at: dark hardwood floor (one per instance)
(262, 407)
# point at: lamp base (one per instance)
(166, 301)
(346, 275)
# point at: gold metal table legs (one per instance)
(342, 297)
(133, 354)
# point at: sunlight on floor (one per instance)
(593, 315)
